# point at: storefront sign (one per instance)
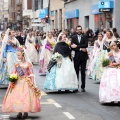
(36, 20)
(106, 4)
(43, 13)
(72, 14)
(105, 9)
(95, 9)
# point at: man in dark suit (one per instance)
(20, 39)
(79, 44)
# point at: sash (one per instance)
(30, 41)
(106, 44)
(19, 70)
(97, 45)
(112, 59)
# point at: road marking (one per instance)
(69, 115)
(45, 103)
(43, 93)
(0, 105)
(57, 105)
(51, 100)
(5, 116)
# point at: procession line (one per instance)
(69, 115)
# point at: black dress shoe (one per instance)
(25, 115)
(19, 115)
(83, 90)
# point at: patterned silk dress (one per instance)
(22, 98)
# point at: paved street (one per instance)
(68, 105)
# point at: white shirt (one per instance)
(79, 38)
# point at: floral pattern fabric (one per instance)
(109, 90)
(22, 98)
(62, 78)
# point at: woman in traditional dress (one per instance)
(46, 53)
(109, 90)
(8, 56)
(98, 47)
(61, 77)
(24, 96)
(2, 36)
(95, 69)
(109, 38)
(31, 50)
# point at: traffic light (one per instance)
(47, 19)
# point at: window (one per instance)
(41, 4)
(29, 4)
(36, 5)
(52, 13)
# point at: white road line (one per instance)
(51, 100)
(69, 115)
(45, 103)
(43, 93)
(57, 105)
(0, 105)
(5, 116)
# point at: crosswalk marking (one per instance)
(43, 93)
(4, 116)
(45, 103)
(51, 100)
(57, 105)
(69, 115)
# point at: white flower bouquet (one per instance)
(57, 58)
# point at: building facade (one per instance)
(57, 14)
(36, 21)
(92, 14)
(27, 14)
(4, 15)
(18, 15)
(12, 18)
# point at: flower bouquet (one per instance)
(13, 79)
(57, 58)
(68, 42)
(105, 62)
(53, 44)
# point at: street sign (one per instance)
(43, 13)
(105, 9)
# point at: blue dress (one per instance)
(62, 78)
(6, 68)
